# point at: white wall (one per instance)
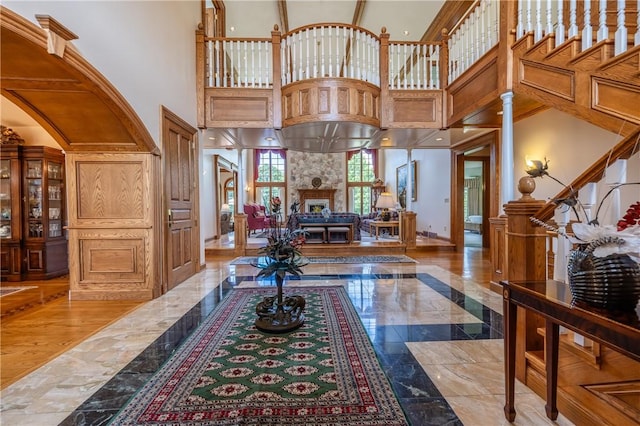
(146, 49)
(433, 206)
(208, 193)
(571, 146)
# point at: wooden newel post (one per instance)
(240, 234)
(526, 261)
(276, 39)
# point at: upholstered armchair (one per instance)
(256, 217)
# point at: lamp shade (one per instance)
(226, 208)
(385, 201)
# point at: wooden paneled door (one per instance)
(180, 164)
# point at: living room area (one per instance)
(348, 184)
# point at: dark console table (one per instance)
(550, 299)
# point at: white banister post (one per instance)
(520, 26)
(587, 196)
(636, 41)
(549, 29)
(616, 174)
(507, 166)
(560, 26)
(241, 183)
(587, 31)
(621, 31)
(528, 25)
(562, 217)
(537, 34)
(573, 12)
(603, 31)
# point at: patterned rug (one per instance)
(229, 373)
(247, 260)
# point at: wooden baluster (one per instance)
(621, 31)
(603, 30)
(587, 30)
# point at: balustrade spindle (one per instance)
(573, 13)
(621, 31)
(520, 24)
(549, 27)
(230, 70)
(322, 73)
(213, 68)
(603, 30)
(636, 41)
(560, 25)
(306, 33)
(484, 23)
(537, 33)
(529, 26)
(316, 51)
(587, 31)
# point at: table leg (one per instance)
(377, 231)
(552, 337)
(510, 312)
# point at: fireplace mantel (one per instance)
(326, 194)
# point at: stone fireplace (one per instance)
(314, 200)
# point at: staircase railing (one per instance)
(624, 149)
(589, 20)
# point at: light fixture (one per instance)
(226, 208)
(385, 202)
(438, 139)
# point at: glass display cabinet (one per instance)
(10, 213)
(44, 242)
(32, 212)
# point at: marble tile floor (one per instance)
(437, 335)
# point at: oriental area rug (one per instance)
(248, 260)
(229, 373)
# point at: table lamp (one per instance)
(385, 202)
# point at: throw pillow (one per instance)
(259, 213)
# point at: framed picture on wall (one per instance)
(401, 183)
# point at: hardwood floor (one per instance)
(38, 327)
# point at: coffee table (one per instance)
(391, 224)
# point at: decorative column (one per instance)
(409, 184)
(240, 218)
(506, 169)
(561, 216)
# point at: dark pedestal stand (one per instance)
(277, 314)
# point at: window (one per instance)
(229, 195)
(362, 167)
(270, 176)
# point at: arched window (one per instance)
(362, 169)
(270, 175)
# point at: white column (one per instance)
(409, 186)
(615, 175)
(507, 180)
(241, 183)
(561, 216)
(587, 196)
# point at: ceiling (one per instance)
(403, 20)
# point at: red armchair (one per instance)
(256, 217)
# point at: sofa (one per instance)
(366, 219)
(257, 217)
(298, 220)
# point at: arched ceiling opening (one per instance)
(69, 98)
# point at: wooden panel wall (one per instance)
(415, 109)
(239, 108)
(112, 241)
(330, 99)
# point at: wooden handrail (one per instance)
(623, 150)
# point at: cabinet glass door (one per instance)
(54, 175)
(34, 198)
(5, 198)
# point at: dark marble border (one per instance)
(421, 400)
